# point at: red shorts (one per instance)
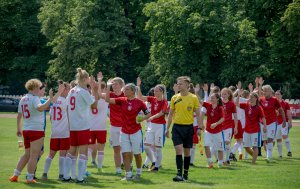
(195, 136)
(240, 132)
(30, 136)
(79, 138)
(100, 136)
(57, 144)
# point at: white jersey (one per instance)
(32, 118)
(59, 119)
(99, 116)
(79, 103)
(203, 109)
(241, 112)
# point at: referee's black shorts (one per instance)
(183, 134)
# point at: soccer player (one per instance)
(283, 132)
(155, 134)
(270, 104)
(31, 109)
(131, 133)
(60, 133)
(98, 126)
(229, 124)
(214, 136)
(253, 113)
(79, 102)
(182, 108)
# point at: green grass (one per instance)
(280, 174)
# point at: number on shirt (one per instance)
(94, 111)
(57, 113)
(73, 102)
(25, 111)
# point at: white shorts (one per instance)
(155, 134)
(132, 142)
(271, 131)
(281, 131)
(227, 134)
(114, 138)
(214, 140)
(252, 140)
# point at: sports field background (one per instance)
(280, 174)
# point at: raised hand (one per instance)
(138, 81)
(239, 85)
(240, 92)
(212, 86)
(250, 87)
(261, 81)
(197, 88)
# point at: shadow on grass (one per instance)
(201, 183)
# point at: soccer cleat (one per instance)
(145, 166)
(126, 178)
(136, 177)
(191, 164)
(155, 170)
(31, 181)
(13, 178)
(94, 164)
(226, 163)
(81, 181)
(241, 157)
(67, 180)
(289, 154)
(178, 179)
(44, 176)
(231, 156)
(210, 165)
(60, 177)
(185, 177)
(280, 157)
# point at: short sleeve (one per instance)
(261, 112)
(119, 100)
(36, 102)
(196, 103)
(164, 106)
(243, 105)
(205, 105)
(19, 107)
(277, 103)
(87, 97)
(150, 98)
(172, 105)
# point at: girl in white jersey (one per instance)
(33, 133)
(79, 102)
(98, 127)
(60, 133)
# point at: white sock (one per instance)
(192, 153)
(119, 170)
(61, 164)
(73, 167)
(209, 160)
(47, 164)
(121, 157)
(220, 162)
(17, 172)
(279, 147)
(158, 157)
(129, 174)
(227, 151)
(214, 152)
(149, 153)
(147, 160)
(100, 158)
(81, 166)
(269, 150)
(90, 152)
(235, 147)
(29, 176)
(68, 164)
(288, 144)
(138, 171)
(240, 149)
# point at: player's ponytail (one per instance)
(81, 75)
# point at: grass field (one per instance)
(280, 174)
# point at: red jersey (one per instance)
(115, 114)
(229, 109)
(156, 107)
(213, 116)
(270, 106)
(285, 106)
(131, 109)
(253, 115)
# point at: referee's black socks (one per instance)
(179, 164)
(186, 165)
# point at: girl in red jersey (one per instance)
(283, 132)
(155, 134)
(131, 133)
(214, 136)
(270, 104)
(252, 134)
(32, 111)
(79, 103)
(229, 124)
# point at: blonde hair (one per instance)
(119, 80)
(185, 79)
(81, 75)
(229, 92)
(33, 84)
(267, 87)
